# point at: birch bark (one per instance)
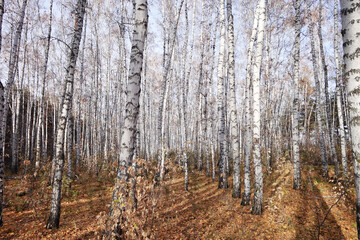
(5, 92)
(2, 8)
(247, 119)
(221, 100)
(13, 63)
(233, 113)
(338, 89)
(127, 146)
(295, 112)
(2, 140)
(184, 103)
(258, 194)
(350, 28)
(165, 90)
(54, 218)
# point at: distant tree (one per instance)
(319, 115)
(41, 121)
(328, 115)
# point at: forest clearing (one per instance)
(193, 214)
(179, 119)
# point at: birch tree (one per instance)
(2, 141)
(2, 8)
(165, 91)
(233, 113)
(185, 91)
(13, 62)
(258, 195)
(247, 118)
(338, 89)
(221, 100)
(127, 146)
(5, 92)
(66, 103)
(350, 28)
(200, 93)
(2, 124)
(295, 112)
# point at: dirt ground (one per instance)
(204, 212)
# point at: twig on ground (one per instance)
(281, 221)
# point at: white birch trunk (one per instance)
(5, 92)
(350, 28)
(165, 90)
(128, 138)
(221, 100)
(233, 113)
(54, 218)
(13, 63)
(258, 194)
(2, 8)
(338, 89)
(184, 104)
(247, 119)
(295, 112)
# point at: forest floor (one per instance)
(204, 212)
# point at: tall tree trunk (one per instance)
(13, 63)
(350, 23)
(66, 103)
(132, 105)
(247, 119)
(165, 90)
(258, 194)
(184, 103)
(233, 114)
(2, 141)
(295, 112)
(338, 89)
(221, 100)
(2, 124)
(79, 129)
